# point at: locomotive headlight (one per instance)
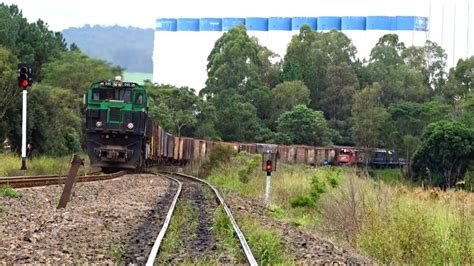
(130, 126)
(98, 124)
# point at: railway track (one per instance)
(48, 180)
(191, 188)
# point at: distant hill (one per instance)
(128, 47)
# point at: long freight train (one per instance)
(121, 134)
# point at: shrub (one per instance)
(220, 154)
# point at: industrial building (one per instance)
(181, 45)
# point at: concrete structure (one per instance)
(183, 44)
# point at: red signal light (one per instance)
(24, 83)
(269, 166)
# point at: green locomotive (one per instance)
(117, 124)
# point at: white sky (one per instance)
(62, 14)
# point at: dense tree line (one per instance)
(61, 75)
(319, 94)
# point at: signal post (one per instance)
(269, 163)
(25, 79)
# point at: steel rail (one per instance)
(159, 238)
(35, 181)
(243, 242)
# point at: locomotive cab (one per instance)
(116, 122)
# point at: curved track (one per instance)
(178, 178)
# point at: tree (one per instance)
(236, 118)
(286, 95)
(368, 113)
(302, 125)
(430, 60)
(445, 151)
(233, 63)
(460, 80)
(8, 87)
(176, 109)
(76, 71)
(398, 81)
(310, 54)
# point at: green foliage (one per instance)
(3, 208)
(401, 225)
(250, 164)
(368, 115)
(228, 241)
(310, 54)
(8, 89)
(397, 80)
(8, 192)
(276, 211)
(54, 111)
(446, 149)
(116, 251)
(76, 71)
(236, 119)
(304, 126)
(319, 185)
(233, 63)
(286, 95)
(220, 154)
(430, 60)
(460, 80)
(266, 244)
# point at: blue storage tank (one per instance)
(329, 23)
(381, 23)
(210, 24)
(353, 23)
(166, 24)
(229, 23)
(297, 22)
(188, 24)
(279, 23)
(256, 24)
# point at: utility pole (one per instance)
(24, 81)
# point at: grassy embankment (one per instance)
(42, 165)
(389, 221)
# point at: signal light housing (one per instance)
(25, 75)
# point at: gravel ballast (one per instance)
(96, 226)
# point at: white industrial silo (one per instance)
(210, 29)
(279, 34)
(165, 38)
(354, 28)
(258, 27)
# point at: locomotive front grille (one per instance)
(115, 115)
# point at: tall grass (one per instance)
(397, 224)
(42, 165)
(390, 221)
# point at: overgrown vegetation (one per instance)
(228, 242)
(382, 217)
(180, 231)
(400, 224)
(266, 243)
(43, 165)
(9, 192)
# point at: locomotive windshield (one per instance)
(122, 94)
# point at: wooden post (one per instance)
(71, 177)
